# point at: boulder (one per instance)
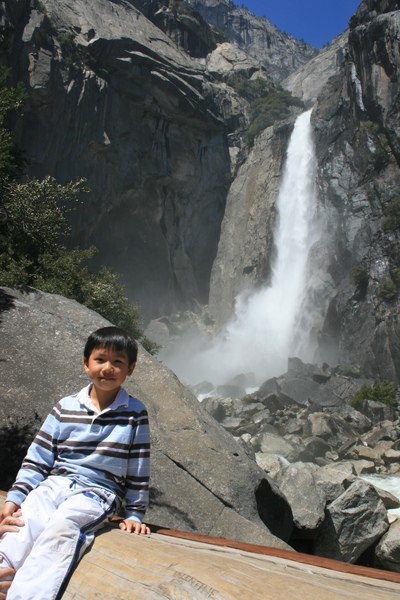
(197, 468)
(387, 552)
(275, 444)
(214, 408)
(353, 522)
(305, 497)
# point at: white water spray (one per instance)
(267, 326)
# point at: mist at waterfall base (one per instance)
(271, 323)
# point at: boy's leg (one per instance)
(36, 511)
(68, 533)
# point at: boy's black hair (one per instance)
(112, 337)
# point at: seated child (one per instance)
(92, 452)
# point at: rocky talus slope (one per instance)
(323, 454)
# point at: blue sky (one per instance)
(315, 21)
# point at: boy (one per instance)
(92, 452)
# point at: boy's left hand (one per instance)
(134, 527)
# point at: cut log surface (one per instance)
(181, 566)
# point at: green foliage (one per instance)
(12, 100)
(387, 289)
(36, 216)
(377, 144)
(360, 276)
(392, 215)
(34, 223)
(69, 49)
(265, 111)
(219, 34)
(267, 104)
(384, 392)
(250, 89)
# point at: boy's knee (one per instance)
(60, 535)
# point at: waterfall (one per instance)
(269, 324)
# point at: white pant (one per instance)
(60, 518)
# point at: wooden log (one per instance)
(177, 565)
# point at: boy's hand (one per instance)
(5, 585)
(11, 523)
(134, 527)
(9, 509)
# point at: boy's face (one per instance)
(108, 368)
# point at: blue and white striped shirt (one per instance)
(110, 449)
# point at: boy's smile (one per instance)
(108, 370)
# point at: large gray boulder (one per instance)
(201, 479)
(387, 552)
(306, 498)
(354, 521)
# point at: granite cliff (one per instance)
(355, 120)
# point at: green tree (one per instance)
(12, 100)
(34, 228)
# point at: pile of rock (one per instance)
(302, 431)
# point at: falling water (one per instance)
(268, 326)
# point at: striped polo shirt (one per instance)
(110, 449)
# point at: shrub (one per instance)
(69, 49)
(384, 392)
(360, 276)
(392, 215)
(387, 289)
(250, 89)
(267, 103)
(265, 111)
(378, 150)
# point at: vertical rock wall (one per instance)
(356, 123)
(112, 99)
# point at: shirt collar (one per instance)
(84, 398)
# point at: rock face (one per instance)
(126, 95)
(356, 123)
(279, 52)
(354, 266)
(113, 99)
(143, 110)
(346, 539)
(201, 479)
(310, 80)
(246, 241)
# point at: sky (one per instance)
(317, 22)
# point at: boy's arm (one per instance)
(37, 464)
(137, 481)
(9, 509)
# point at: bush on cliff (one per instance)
(391, 222)
(265, 111)
(387, 289)
(267, 103)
